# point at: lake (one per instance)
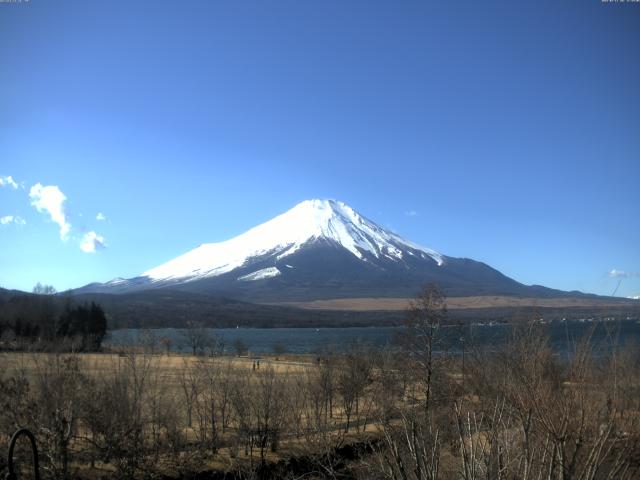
(310, 340)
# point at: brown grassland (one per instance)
(453, 303)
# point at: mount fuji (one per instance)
(319, 250)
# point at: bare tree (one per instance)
(279, 349)
(56, 409)
(426, 314)
(540, 417)
(209, 374)
(41, 289)
(114, 414)
(197, 338)
(167, 343)
(411, 432)
(323, 435)
(259, 404)
(190, 387)
(353, 377)
(240, 347)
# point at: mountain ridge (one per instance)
(320, 250)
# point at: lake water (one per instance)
(310, 340)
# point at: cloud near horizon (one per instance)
(8, 181)
(50, 199)
(101, 216)
(411, 213)
(7, 219)
(91, 242)
(622, 274)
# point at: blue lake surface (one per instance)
(562, 336)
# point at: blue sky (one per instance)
(507, 132)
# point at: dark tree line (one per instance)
(87, 322)
(47, 319)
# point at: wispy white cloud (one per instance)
(411, 213)
(622, 274)
(91, 242)
(8, 181)
(101, 216)
(51, 200)
(7, 219)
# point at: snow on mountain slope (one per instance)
(284, 235)
(261, 274)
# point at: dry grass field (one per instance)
(194, 413)
(454, 303)
(365, 414)
(171, 366)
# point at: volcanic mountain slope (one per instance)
(320, 249)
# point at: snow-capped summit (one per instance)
(285, 234)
